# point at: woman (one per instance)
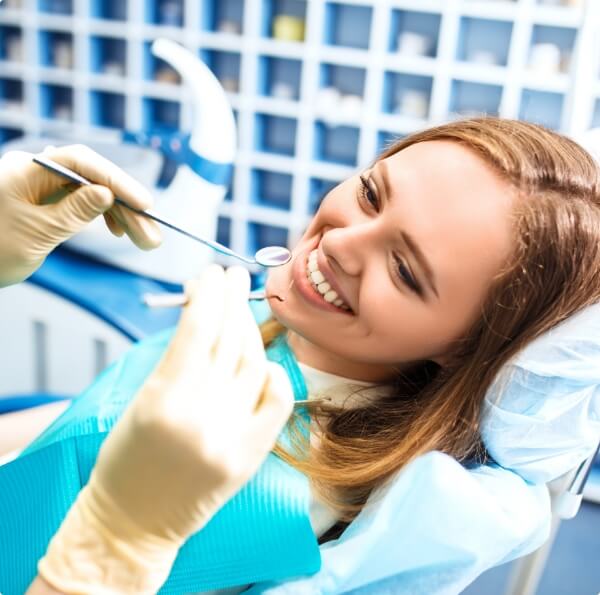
(415, 282)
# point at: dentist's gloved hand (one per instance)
(39, 209)
(198, 429)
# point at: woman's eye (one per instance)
(406, 276)
(368, 194)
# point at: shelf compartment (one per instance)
(56, 49)
(347, 80)
(472, 99)
(271, 188)
(56, 102)
(161, 115)
(551, 49)
(318, 190)
(595, 123)
(156, 69)
(338, 144)
(225, 66)
(230, 187)
(280, 78)
(11, 43)
(275, 134)
(56, 6)
(111, 10)
(284, 20)
(340, 97)
(11, 95)
(347, 25)
(224, 231)
(223, 16)
(386, 139)
(407, 94)
(108, 55)
(261, 235)
(414, 33)
(542, 107)
(107, 109)
(484, 41)
(168, 13)
(8, 133)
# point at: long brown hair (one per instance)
(553, 271)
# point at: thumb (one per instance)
(275, 406)
(78, 208)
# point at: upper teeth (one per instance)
(319, 282)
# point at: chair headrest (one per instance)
(541, 415)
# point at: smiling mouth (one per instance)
(320, 284)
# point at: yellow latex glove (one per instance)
(40, 209)
(195, 433)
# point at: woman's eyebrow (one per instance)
(408, 239)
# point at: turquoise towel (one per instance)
(263, 533)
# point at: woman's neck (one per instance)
(312, 355)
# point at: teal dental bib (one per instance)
(263, 533)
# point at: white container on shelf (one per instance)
(412, 103)
(411, 43)
(545, 58)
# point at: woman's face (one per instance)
(410, 247)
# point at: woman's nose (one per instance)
(348, 246)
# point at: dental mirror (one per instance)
(270, 256)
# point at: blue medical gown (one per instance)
(432, 531)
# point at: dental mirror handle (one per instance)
(174, 300)
(74, 177)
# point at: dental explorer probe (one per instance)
(270, 256)
(174, 300)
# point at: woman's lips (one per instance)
(304, 287)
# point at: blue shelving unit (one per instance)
(385, 139)
(225, 66)
(165, 12)
(276, 134)
(223, 16)
(56, 49)
(318, 88)
(470, 98)
(224, 231)
(161, 114)
(280, 78)
(271, 188)
(319, 188)
(107, 109)
(542, 107)
(56, 102)
(414, 33)
(108, 55)
(407, 94)
(64, 7)
(290, 27)
(348, 25)
(7, 134)
(11, 42)
(338, 144)
(112, 10)
(484, 41)
(262, 235)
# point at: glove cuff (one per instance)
(87, 555)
